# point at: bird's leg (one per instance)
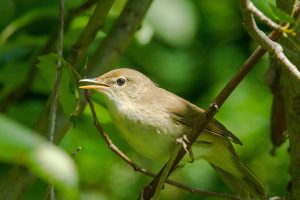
(183, 141)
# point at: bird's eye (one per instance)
(120, 81)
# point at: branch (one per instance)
(272, 47)
(72, 13)
(58, 74)
(89, 32)
(179, 151)
(137, 168)
(263, 17)
(54, 98)
(119, 36)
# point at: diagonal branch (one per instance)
(89, 32)
(118, 37)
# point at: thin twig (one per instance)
(272, 47)
(263, 17)
(108, 141)
(144, 171)
(58, 74)
(54, 98)
(201, 192)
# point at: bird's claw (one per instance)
(183, 141)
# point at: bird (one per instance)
(152, 119)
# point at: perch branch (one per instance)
(137, 168)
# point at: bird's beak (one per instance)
(92, 84)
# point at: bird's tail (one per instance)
(236, 175)
(247, 186)
(219, 152)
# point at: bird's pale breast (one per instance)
(148, 134)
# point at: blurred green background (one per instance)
(189, 47)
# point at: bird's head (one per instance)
(119, 85)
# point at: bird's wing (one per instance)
(216, 127)
(188, 114)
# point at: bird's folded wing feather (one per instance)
(216, 127)
(188, 114)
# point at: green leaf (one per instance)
(67, 96)
(47, 66)
(21, 145)
(281, 15)
(67, 86)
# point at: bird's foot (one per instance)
(183, 141)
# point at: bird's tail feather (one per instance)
(219, 152)
(246, 184)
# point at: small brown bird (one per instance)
(151, 119)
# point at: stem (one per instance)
(58, 74)
(89, 32)
(118, 37)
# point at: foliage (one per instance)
(189, 47)
(21, 145)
